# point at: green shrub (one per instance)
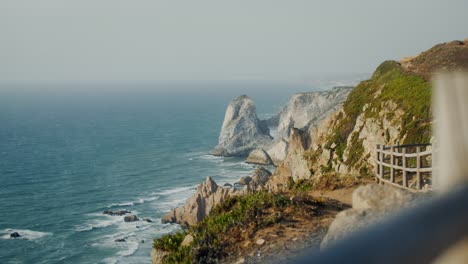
(209, 240)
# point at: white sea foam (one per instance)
(24, 233)
(166, 206)
(132, 203)
(176, 190)
(99, 223)
(216, 159)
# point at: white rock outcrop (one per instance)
(197, 207)
(277, 151)
(241, 131)
(306, 109)
(259, 156)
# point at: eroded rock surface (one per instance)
(197, 207)
(241, 131)
(306, 109)
(259, 156)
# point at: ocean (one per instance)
(69, 152)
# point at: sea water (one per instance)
(69, 152)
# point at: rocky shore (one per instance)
(325, 145)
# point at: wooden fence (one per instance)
(405, 166)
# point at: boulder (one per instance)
(277, 151)
(197, 207)
(157, 256)
(371, 203)
(15, 235)
(245, 180)
(120, 240)
(241, 131)
(188, 239)
(259, 156)
(260, 241)
(227, 185)
(381, 197)
(148, 220)
(131, 218)
(260, 176)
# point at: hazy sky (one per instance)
(115, 40)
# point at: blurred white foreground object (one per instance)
(451, 143)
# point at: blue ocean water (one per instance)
(69, 152)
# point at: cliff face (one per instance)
(306, 109)
(242, 131)
(393, 107)
(302, 111)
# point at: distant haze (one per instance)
(114, 40)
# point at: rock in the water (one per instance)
(148, 220)
(200, 204)
(277, 151)
(227, 185)
(371, 203)
(259, 156)
(241, 131)
(131, 218)
(119, 213)
(15, 235)
(120, 240)
(245, 180)
(306, 109)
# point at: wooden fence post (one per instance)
(382, 159)
(377, 165)
(418, 167)
(392, 163)
(403, 156)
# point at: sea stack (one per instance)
(242, 131)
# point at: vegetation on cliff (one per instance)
(390, 82)
(237, 221)
(393, 107)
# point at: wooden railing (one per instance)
(405, 166)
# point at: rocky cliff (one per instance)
(209, 194)
(241, 131)
(302, 111)
(393, 107)
(306, 109)
(197, 207)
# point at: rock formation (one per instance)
(259, 156)
(294, 166)
(197, 207)
(306, 109)
(15, 235)
(209, 194)
(259, 178)
(371, 203)
(277, 151)
(392, 108)
(157, 256)
(131, 218)
(241, 131)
